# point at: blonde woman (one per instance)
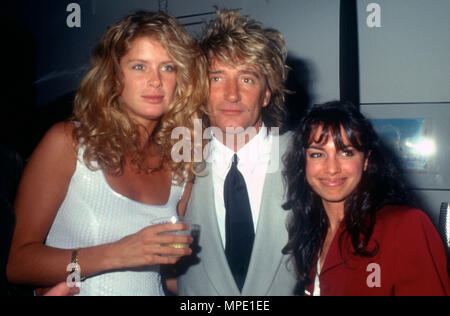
(93, 185)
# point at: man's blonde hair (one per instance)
(237, 39)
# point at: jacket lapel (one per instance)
(335, 257)
(270, 240)
(216, 264)
(271, 235)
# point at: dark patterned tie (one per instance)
(240, 232)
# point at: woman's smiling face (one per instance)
(333, 173)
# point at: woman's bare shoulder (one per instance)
(57, 148)
(61, 133)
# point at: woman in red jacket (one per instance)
(354, 230)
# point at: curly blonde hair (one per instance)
(105, 130)
(237, 39)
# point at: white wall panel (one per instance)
(407, 59)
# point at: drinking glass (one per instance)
(193, 230)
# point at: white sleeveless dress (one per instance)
(93, 214)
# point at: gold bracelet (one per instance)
(75, 256)
(75, 261)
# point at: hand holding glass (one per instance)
(193, 230)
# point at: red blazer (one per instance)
(411, 260)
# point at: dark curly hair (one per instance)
(380, 185)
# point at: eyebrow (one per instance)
(136, 60)
(243, 72)
(146, 61)
(315, 147)
(250, 72)
(321, 148)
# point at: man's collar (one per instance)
(256, 151)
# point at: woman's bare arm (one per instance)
(43, 188)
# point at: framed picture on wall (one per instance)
(411, 139)
(419, 135)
